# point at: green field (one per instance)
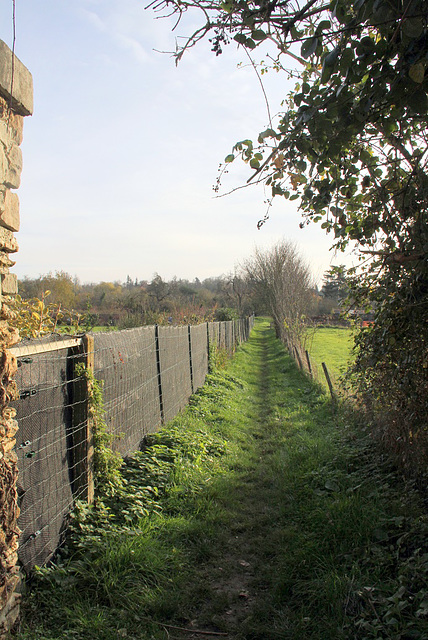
(332, 345)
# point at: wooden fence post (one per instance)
(190, 358)
(330, 386)
(82, 423)
(299, 361)
(159, 371)
(308, 360)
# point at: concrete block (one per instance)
(21, 90)
(8, 241)
(9, 284)
(9, 210)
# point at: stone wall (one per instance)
(16, 101)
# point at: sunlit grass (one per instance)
(332, 345)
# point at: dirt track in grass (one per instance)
(240, 571)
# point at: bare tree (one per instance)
(236, 290)
(281, 282)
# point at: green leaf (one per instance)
(366, 45)
(227, 6)
(413, 27)
(309, 47)
(417, 72)
(229, 158)
(323, 25)
(254, 163)
(326, 73)
(240, 38)
(268, 133)
(258, 34)
(331, 57)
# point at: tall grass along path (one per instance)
(256, 514)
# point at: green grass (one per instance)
(332, 345)
(257, 513)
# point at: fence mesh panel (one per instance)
(199, 342)
(45, 454)
(126, 361)
(214, 332)
(175, 369)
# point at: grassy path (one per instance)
(255, 515)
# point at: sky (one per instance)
(123, 148)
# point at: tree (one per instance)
(158, 289)
(281, 283)
(106, 295)
(335, 284)
(352, 147)
(236, 291)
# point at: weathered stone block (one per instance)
(10, 612)
(11, 124)
(4, 165)
(9, 284)
(5, 261)
(11, 428)
(8, 241)
(13, 168)
(8, 413)
(9, 210)
(21, 90)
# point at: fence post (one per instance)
(158, 366)
(190, 357)
(330, 386)
(308, 360)
(82, 423)
(299, 361)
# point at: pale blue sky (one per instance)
(123, 148)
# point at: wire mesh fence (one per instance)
(148, 375)
(126, 362)
(199, 352)
(44, 447)
(175, 379)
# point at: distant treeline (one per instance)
(139, 302)
(177, 301)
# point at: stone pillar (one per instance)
(16, 101)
